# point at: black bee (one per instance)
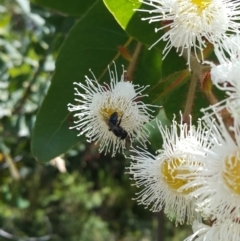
(114, 126)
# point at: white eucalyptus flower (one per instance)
(111, 113)
(218, 181)
(219, 231)
(191, 24)
(161, 174)
(226, 74)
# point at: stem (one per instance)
(190, 99)
(196, 67)
(115, 58)
(132, 65)
(211, 98)
(160, 228)
(13, 169)
(7, 235)
(196, 75)
(199, 73)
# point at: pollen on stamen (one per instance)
(192, 24)
(173, 171)
(96, 104)
(231, 173)
(165, 176)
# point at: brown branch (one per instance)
(132, 65)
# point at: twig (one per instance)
(7, 235)
(198, 74)
(190, 99)
(132, 65)
(13, 169)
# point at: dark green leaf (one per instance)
(164, 88)
(130, 21)
(92, 43)
(175, 102)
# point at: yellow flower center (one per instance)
(196, 8)
(108, 109)
(171, 169)
(201, 4)
(107, 112)
(231, 173)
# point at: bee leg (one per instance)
(118, 124)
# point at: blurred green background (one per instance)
(81, 196)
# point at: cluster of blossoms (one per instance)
(195, 176)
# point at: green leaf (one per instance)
(148, 72)
(130, 20)
(92, 43)
(161, 90)
(155, 138)
(69, 7)
(180, 97)
(149, 67)
(173, 63)
(21, 70)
